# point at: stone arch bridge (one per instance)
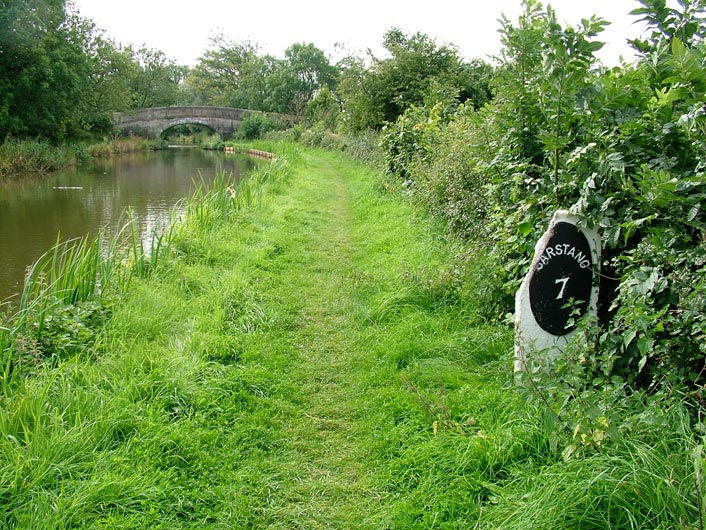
(152, 122)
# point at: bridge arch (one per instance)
(186, 121)
(152, 122)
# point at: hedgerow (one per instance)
(623, 148)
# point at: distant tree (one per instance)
(405, 78)
(417, 72)
(356, 89)
(305, 70)
(231, 74)
(156, 80)
(236, 75)
(476, 80)
(112, 70)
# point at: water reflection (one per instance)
(82, 201)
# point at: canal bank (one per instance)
(91, 197)
(254, 381)
(313, 360)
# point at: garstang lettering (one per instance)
(563, 249)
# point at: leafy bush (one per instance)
(453, 182)
(324, 109)
(623, 148)
(313, 136)
(115, 146)
(255, 125)
(213, 142)
(365, 146)
(411, 140)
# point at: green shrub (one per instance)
(324, 109)
(255, 125)
(213, 142)
(623, 148)
(411, 140)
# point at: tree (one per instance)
(231, 74)
(304, 71)
(112, 70)
(156, 81)
(60, 76)
(356, 90)
(324, 108)
(234, 74)
(418, 72)
(42, 67)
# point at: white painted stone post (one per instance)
(564, 270)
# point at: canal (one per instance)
(92, 197)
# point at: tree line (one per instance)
(62, 77)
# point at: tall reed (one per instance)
(71, 274)
(20, 157)
(118, 146)
(215, 201)
(140, 260)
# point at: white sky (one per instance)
(182, 28)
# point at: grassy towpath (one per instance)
(340, 263)
(316, 361)
(317, 470)
(309, 364)
(321, 364)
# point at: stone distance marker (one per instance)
(561, 279)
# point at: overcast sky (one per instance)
(182, 29)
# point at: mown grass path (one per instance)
(346, 335)
(346, 255)
(324, 482)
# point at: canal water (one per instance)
(92, 197)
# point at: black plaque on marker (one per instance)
(563, 274)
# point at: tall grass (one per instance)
(216, 201)
(68, 272)
(645, 481)
(212, 142)
(65, 292)
(64, 425)
(142, 259)
(118, 146)
(19, 157)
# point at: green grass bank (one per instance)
(21, 158)
(317, 360)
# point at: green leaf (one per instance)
(643, 344)
(693, 212)
(678, 48)
(642, 363)
(676, 93)
(525, 228)
(628, 337)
